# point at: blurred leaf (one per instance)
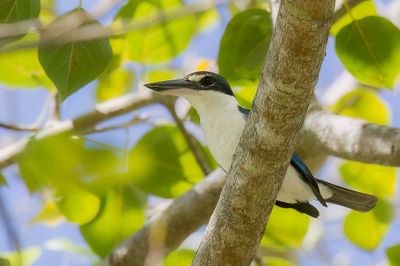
(246, 95)
(27, 256)
(393, 254)
(121, 215)
(4, 262)
(285, 228)
(370, 178)
(164, 40)
(21, 68)
(47, 11)
(208, 18)
(115, 84)
(365, 104)
(74, 64)
(71, 164)
(162, 164)
(181, 257)
(367, 230)
(165, 74)
(50, 215)
(360, 10)
(244, 45)
(78, 205)
(360, 47)
(274, 261)
(2, 180)
(14, 11)
(194, 116)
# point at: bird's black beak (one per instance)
(171, 85)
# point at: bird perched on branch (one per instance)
(223, 121)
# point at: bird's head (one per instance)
(194, 84)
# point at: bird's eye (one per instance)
(207, 81)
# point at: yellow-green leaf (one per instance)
(164, 40)
(370, 178)
(78, 205)
(393, 254)
(369, 48)
(344, 16)
(14, 11)
(50, 215)
(2, 180)
(181, 257)
(367, 230)
(286, 228)
(162, 164)
(246, 95)
(21, 68)
(365, 104)
(121, 215)
(28, 256)
(74, 63)
(244, 45)
(115, 84)
(275, 261)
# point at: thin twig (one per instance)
(19, 127)
(56, 115)
(134, 121)
(190, 141)
(83, 32)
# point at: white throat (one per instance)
(221, 121)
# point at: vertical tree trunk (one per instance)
(290, 73)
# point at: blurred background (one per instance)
(125, 163)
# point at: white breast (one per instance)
(223, 125)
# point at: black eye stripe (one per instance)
(207, 81)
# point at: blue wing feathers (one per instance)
(300, 166)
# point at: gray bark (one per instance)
(290, 73)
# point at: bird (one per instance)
(222, 121)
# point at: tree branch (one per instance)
(82, 124)
(166, 231)
(190, 141)
(350, 138)
(18, 127)
(262, 156)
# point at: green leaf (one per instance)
(365, 104)
(181, 257)
(282, 231)
(274, 261)
(370, 178)
(121, 215)
(361, 10)
(2, 180)
(4, 262)
(246, 95)
(78, 205)
(393, 254)
(370, 49)
(244, 45)
(73, 64)
(367, 230)
(14, 11)
(115, 84)
(164, 40)
(21, 68)
(162, 164)
(28, 256)
(50, 215)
